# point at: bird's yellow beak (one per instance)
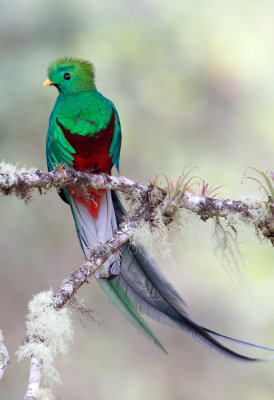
(48, 83)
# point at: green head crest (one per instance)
(71, 75)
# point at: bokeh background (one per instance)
(193, 83)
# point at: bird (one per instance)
(84, 133)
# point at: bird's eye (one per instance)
(67, 76)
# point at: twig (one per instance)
(208, 207)
(4, 356)
(19, 182)
(35, 378)
(98, 256)
(22, 183)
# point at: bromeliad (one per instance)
(84, 133)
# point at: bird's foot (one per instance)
(109, 270)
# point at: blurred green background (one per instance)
(192, 82)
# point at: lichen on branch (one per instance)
(23, 182)
(49, 335)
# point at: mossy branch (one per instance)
(23, 182)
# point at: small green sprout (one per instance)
(167, 194)
(268, 177)
(267, 184)
(175, 189)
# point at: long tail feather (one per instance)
(150, 296)
(150, 293)
(230, 339)
(121, 301)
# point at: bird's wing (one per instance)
(116, 141)
(58, 149)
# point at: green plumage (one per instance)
(82, 75)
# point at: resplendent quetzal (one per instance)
(84, 132)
